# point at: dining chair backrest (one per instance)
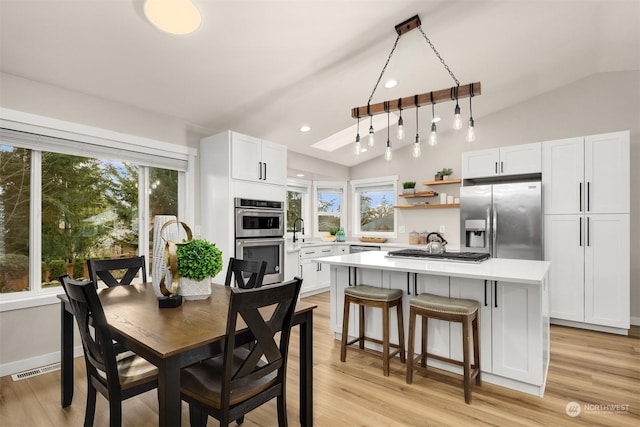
(104, 269)
(245, 274)
(268, 357)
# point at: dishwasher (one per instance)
(354, 249)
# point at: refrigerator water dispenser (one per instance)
(475, 232)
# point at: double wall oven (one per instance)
(259, 235)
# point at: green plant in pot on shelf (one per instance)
(198, 262)
(408, 187)
(446, 172)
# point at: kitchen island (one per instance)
(513, 317)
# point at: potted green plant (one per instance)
(446, 172)
(408, 187)
(198, 261)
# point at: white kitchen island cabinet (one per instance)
(514, 310)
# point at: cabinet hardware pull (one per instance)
(265, 170)
(495, 293)
(260, 170)
(588, 197)
(588, 231)
(496, 167)
(501, 167)
(485, 293)
(415, 283)
(580, 194)
(580, 228)
(408, 285)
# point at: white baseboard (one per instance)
(635, 321)
(589, 326)
(35, 362)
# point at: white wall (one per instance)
(598, 104)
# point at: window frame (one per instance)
(303, 187)
(359, 185)
(340, 186)
(105, 141)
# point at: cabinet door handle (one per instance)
(495, 293)
(415, 283)
(588, 231)
(408, 284)
(580, 195)
(496, 167)
(501, 167)
(588, 197)
(260, 170)
(580, 228)
(265, 171)
(485, 293)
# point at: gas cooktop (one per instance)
(447, 256)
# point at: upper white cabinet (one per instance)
(587, 174)
(253, 159)
(511, 160)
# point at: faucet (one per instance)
(301, 228)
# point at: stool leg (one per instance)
(476, 349)
(412, 335)
(401, 331)
(466, 359)
(345, 329)
(361, 327)
(425, 341)
(385, 339)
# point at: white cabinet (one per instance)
(316, 277)
(586, 184)
(511, 160)
(587, 174)
(253, 159)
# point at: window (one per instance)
(63, 201)
(330, 206)
(298, 204)
(376, 214)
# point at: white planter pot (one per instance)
(193, 289)
(408, 190)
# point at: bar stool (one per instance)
(371, 296)
(453, 310)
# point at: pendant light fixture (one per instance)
(417, 150)
(457, 120)
(415, 101)
(433, 136)
(358, 147)
(387, 151)
(372, 140)
(400, 133)
(471, 132)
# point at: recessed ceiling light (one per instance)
(178, 17)
(305, 129)
(363, 149)
(300, 175)
(435, 119)
(391, 83)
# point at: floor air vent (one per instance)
(33, 372)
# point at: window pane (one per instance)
(15, 195)
(163, 199)
(376, 211)
(89, 210)
(329, 203)
(294, 208)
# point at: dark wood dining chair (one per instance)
(245, 274)
(241, 379)
(116, 376)
(104, 268)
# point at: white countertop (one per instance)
(500, 269)
(293, 247)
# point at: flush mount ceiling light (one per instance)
(305, 129)
(178, 17)
(414, 101)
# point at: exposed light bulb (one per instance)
(358, 147)
(471, 133)
(417, 151)
(387, 153)
(372, 140)
(400, 134)
(457, 120)
(433, 136)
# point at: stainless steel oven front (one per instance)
(270, 250)
(258, 218)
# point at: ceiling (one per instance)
(265, 68)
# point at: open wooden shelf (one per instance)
(441, 182)
(433, 206)
(420, 194)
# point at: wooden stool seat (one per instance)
(453, 310)
(372, 296)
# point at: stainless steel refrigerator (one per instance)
(504, 220)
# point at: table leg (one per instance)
(169, 403)
(66, 355)
(306, 370)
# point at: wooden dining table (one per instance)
(172, 338)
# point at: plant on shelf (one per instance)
(445, 172)
(409, 187)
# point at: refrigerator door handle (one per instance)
(494, 237)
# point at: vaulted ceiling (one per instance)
(265, 68)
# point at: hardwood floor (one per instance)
(590, 368)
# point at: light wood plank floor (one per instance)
(589, 368)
